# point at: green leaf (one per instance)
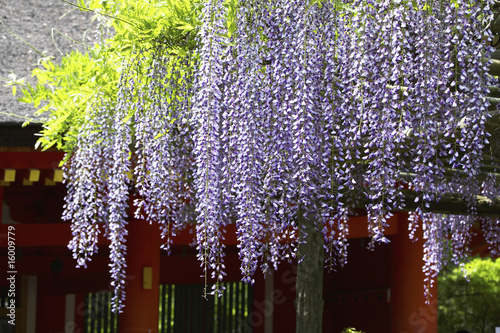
(159, 135)
(185, 26)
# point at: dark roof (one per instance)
(12, 134)
(34, 21)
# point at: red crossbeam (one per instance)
(56, 234)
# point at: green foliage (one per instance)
(473, 305)
(67, 90)
(351, 330)
(141, 24)
(231, 12)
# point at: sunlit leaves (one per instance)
(472, 301)
(140, 24)
(67, 91)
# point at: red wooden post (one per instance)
(143, 277)
(284, 297)
(260, 308)
(409, 311)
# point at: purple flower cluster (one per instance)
(447, 239)
(243, 116)
(491, 231)
(97, 188)
(86, 175)
(306, 111)
(208, 110)
(448, 125)
(491, 226)
(163, 165)
(118, 188)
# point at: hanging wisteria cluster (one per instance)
(305, 111)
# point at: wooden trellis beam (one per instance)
(448, 204)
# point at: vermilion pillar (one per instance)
(409, 311)
(142, 296)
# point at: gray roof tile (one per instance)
(34, 20)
